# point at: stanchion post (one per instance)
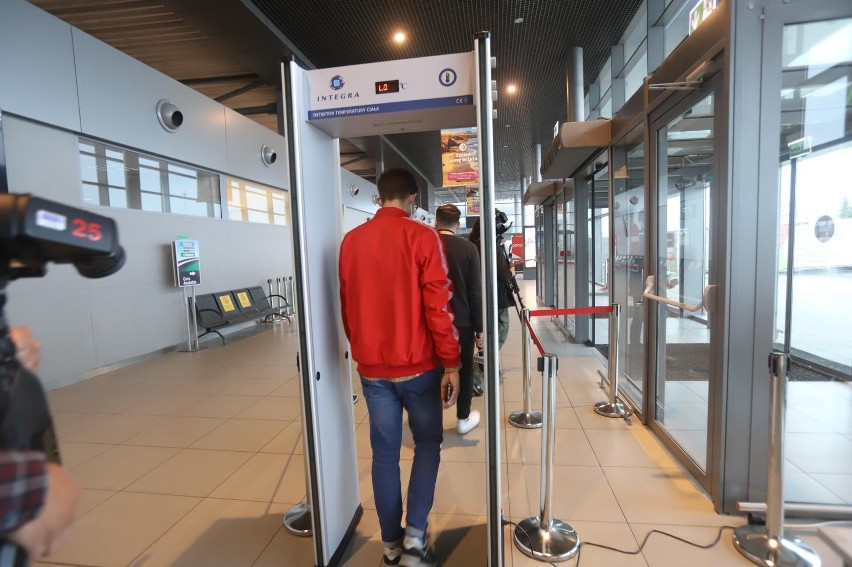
(526, 418)
(188, 322)
(766, 545)
(544, 537)
(194, 334)
(614, 407)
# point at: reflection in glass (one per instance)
(685, 186)
(629, 266)
(252, 202)
(815, 214)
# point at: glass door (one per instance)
(599, 258)
(681, 286)
(814, 262)
(628, 278)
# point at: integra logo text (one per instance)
(336, 84)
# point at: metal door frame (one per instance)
(666, 110)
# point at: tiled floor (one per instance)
(191, 460)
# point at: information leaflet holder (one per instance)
(186, 261)
(320, 106)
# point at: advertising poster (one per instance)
(187, 263)
(472, 194)
(460, 157)
(518, 251)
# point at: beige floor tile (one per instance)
(459, 539)
(91, 498)
(192, 472)
(365, 550)
(286, 549)
(571, 447)
(590, 420)
(252, 387)
(584, 393)
(289, 441)
(205, 385)
(74, 454)
(360, 408)
(667, 496)
(266, 477)
(101, 402)
(617, 535)
(216, 532)
(176, 432)
(289, 389)
(276, 408)
(660, 550)
(117, 531)
(629, 448)
(119, 466)
(68, 423)
(454, 493)
(115, 429)
(167, 404)
(220, 406)
(241, 435)
(464, 448)
(579, 493)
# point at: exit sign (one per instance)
(699, 13)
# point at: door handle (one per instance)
(708, 301)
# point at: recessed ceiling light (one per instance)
(519, 20)
(399, 37)
(508, 125)
(512, 89)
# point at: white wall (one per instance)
(59, 83)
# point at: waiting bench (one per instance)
(218, 310)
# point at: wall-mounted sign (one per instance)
(472, 196)
(187, 262)
(799, 148)
(460, 157)
(699, 13)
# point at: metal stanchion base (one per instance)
(559, 543)
(524, 420)
(188, 349)
(607, 409)
(298, 520)
(756, 545)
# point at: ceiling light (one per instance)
(519, 20)
(399, 37)
(508, 125)
(512, 89)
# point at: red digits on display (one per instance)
(90, 231)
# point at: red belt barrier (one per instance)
(571, 311)
(535, 339)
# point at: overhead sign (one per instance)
(405, 87)
(460, 157)
(699, 13)
(187, 262)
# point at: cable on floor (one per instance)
(641, 547)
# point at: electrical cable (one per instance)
(625, 552)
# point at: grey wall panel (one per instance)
(363, 201)
(37, 65)
(118, 99)
(245, 138)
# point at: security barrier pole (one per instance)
(544, 537)
(291, 307)
(614, 407)
(275, 302)
(526, 418)
(766, 545)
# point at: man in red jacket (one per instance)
(394, 296)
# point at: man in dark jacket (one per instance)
(463, 267)
(395, 302)
(505, 300)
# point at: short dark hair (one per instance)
(396, 183)
(447, 215)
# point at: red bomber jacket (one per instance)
(395, 297)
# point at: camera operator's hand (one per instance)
(480, 341)
(450, 388)
(45, 534)
(27, 348)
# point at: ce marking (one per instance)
(461, 100)
(403, 86)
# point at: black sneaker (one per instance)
(418, 557)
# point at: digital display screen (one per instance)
(383, 87)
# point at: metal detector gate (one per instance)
(319, 107)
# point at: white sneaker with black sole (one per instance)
(419, 555)
(467, 425)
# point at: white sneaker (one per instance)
(467, 425)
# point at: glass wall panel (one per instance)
(815, 275)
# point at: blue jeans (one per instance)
(421, 398)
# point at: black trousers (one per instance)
(466, 372)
